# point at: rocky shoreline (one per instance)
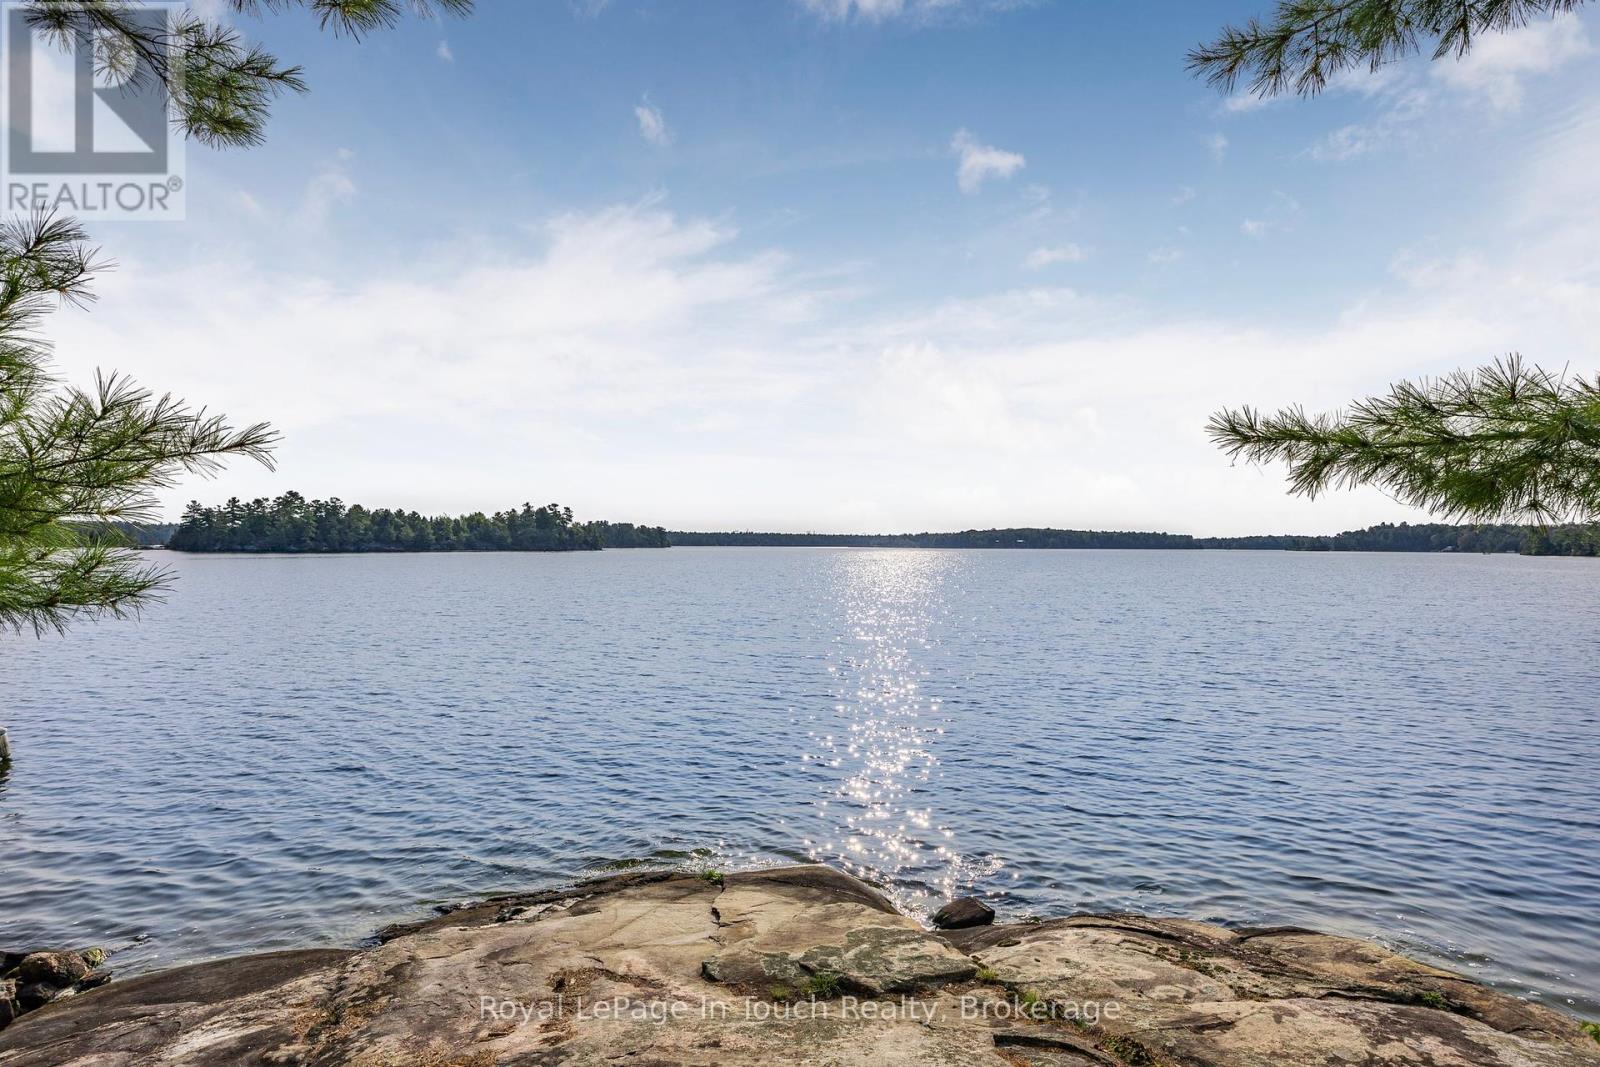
(798, 965)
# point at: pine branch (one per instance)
(74, 460)
(219, 88)
(1508, 441)
(45, 587)
(1306, 42)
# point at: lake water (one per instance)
(294, 751)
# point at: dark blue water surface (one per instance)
(293, 751)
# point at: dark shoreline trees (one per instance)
(1029, 537)
(1385, 537)
(291, 523)
(1433, 537)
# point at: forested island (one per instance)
(291, 523)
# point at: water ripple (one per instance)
(296, 750)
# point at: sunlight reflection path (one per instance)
(878, 750)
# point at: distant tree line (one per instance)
(1561, 541)
(1011, 538)
(627, 535)
(1434, 537)
(1386, 537)
(291, 523)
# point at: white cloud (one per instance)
(1403, 106)
(444, 53)
(1040, 258)
(1494, 71)
(215, 11)
(652, 124)
(978, 321)
(1163, 256)
(980, 162)
(327, 189)
(1359, 80)
(1241, 103)
(915, 10)
(603, 360)
(1279, 213)
(1184, 194)
(1364, 80)
(610, 291)
(866, 9)
(1347, 142)
(1041, 206)
(1561, 172)
(1498, 61)
(1217, 145)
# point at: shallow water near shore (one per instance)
(295, 750)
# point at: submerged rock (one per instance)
(801, 965)
(963, 914)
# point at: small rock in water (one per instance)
(960, 914)
(53, 968)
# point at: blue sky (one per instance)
(815, 264)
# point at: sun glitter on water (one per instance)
(878, 750)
